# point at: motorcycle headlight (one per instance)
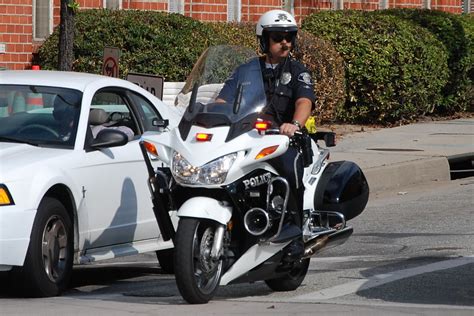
(213, 172)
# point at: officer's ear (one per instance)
(263, 42)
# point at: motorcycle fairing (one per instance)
(240, 116)
(205, 207)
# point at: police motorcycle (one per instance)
(236, 213)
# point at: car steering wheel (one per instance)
(39, 127)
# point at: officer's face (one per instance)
(280, 44)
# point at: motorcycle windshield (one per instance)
(237, 103)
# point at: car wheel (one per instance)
(48, 264)
(165, 258)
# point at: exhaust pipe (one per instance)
(257, 221)
(327, 241)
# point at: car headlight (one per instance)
(213, 172)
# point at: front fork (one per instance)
(217, 245)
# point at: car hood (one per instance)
(15, 157)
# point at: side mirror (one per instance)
(160, 123)
(328, 137)
(109, 138)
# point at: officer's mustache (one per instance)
(284, 48)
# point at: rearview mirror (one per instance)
(160, 123)
(328, 137)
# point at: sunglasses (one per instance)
(279, 37)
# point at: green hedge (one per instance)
(150, 42)
(451, 30)
(467, 82)
(394, 70)
(368, 67)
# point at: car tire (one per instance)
(48, 263)
(166, 260)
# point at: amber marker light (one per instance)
(5, 197)
(262, 126)
(266, 151)
(150, 148)
(203, 137)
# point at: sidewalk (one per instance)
(392, 158)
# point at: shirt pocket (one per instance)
(284, 91)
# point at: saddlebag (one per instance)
(342, 188)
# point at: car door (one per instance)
(117, 202)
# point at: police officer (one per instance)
(289, 91)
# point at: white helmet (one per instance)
(275, 21)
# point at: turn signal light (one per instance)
(203, 137)
(150, 148)
(266, 151)
(5, 197)
(262, 126)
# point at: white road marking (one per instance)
(317, 259)
(380, 279)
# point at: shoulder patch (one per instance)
(305, 77)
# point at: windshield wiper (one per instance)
(17, 140)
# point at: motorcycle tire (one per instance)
(48, 263)
(197, 275)
(292, 280)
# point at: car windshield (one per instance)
(237, 105)
(39, 115)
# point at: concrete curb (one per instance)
(397, 176)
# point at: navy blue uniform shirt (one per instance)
(284, 84)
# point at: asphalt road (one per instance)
(412, 253)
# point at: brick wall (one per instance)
(365, 5)
(16, 27)
(150, 5)
(16, 33)
(253, 9)
(453, 6)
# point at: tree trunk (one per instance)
(66, 37)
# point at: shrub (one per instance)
(448, 29)
(467, 63)
(327, 69)
(394, 70)
(150, 42)
(239, 34)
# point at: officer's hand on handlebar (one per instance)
(288, 129)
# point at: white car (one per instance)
(67, 197)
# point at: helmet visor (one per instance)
(281, 28)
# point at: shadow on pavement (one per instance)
(452, 286)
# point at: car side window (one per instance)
(148, 112)
(109, 109)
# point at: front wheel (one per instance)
(48, 264)
(197, 274)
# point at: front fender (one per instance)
(205, 207)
